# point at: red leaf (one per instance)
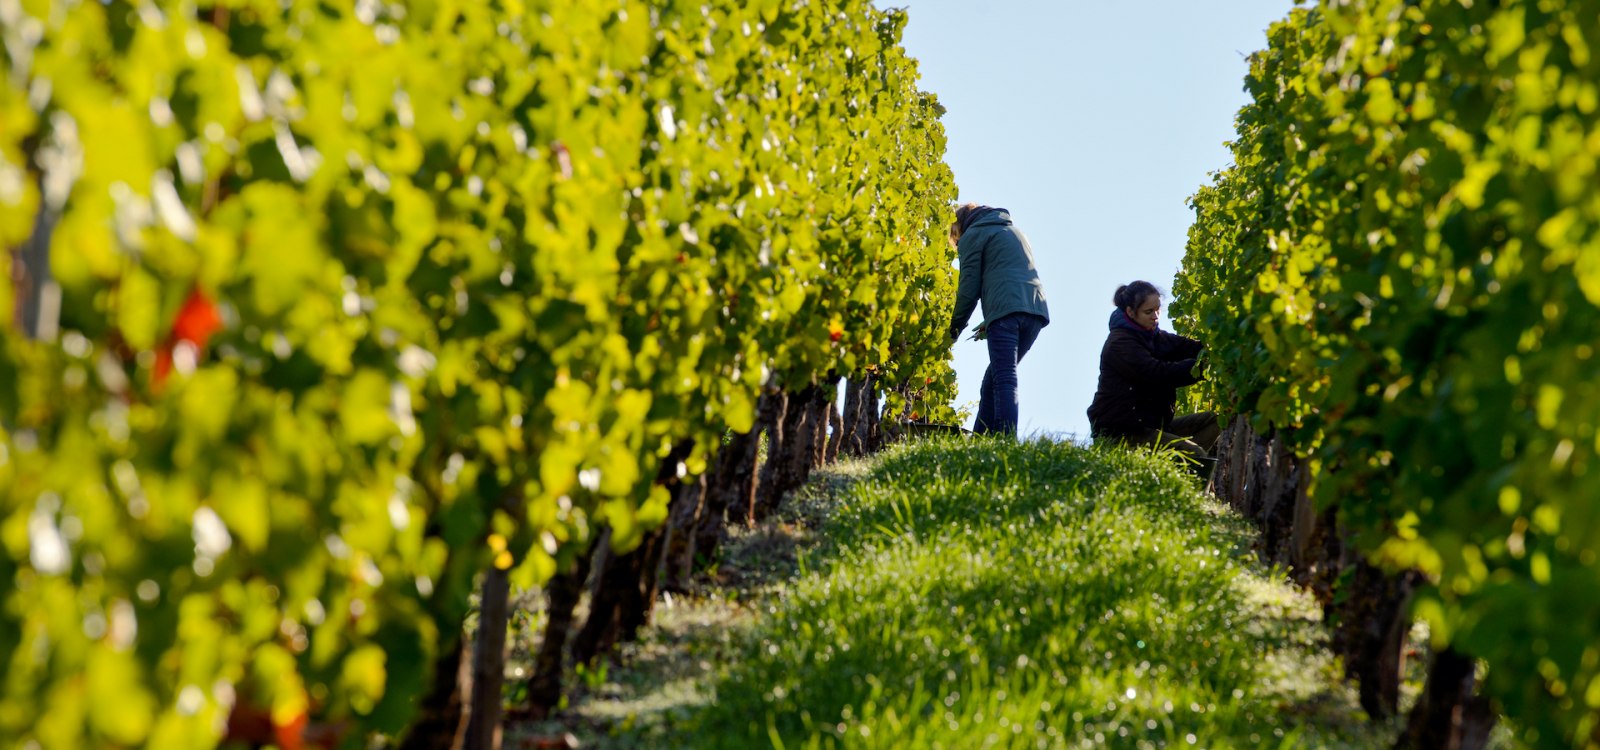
(197, 320)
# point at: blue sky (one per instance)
(1092, 122)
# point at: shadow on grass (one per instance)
(648, 689)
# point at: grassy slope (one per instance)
(966, 594)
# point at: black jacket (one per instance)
(1140, 374)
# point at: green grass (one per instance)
(977, 593)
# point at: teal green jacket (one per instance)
(996, 269)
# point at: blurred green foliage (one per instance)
(355, 298)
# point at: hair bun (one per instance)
(1134, 293)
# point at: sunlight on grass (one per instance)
(989, 594)
(971, 594)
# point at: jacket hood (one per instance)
(985, 215)
(1119, 319)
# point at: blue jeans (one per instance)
(1009, 339)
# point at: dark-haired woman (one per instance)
(1141, 369)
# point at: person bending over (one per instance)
(997, 269)
(1141, 369)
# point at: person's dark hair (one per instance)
(1134, 294)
